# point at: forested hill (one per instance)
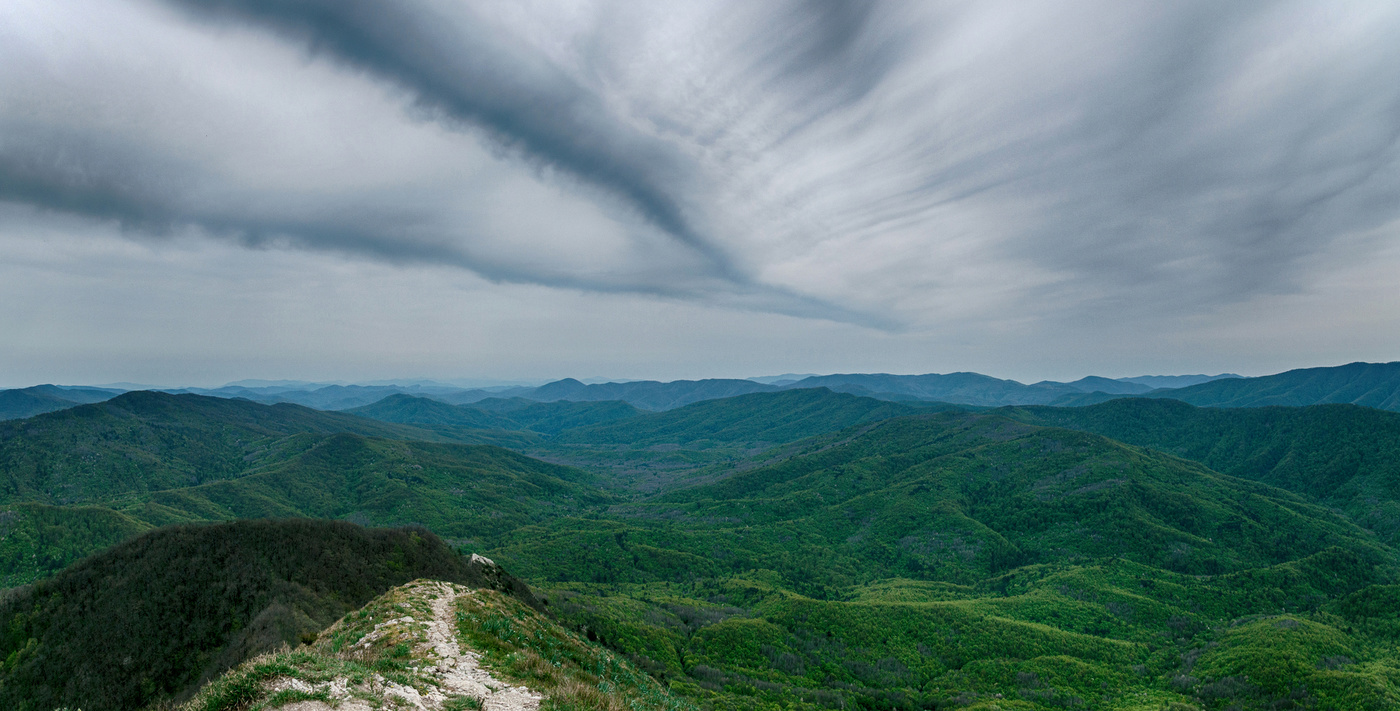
(776, 417)
(958, 497)
(647, 394)
(159, 614)
(968, 560)
(1370, 384)
(914, 562)
(20, 403)
(1344, 455)
(148, 441)
(496, 413)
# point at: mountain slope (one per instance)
(555, 417)
(503, 414)
(148, 441)
(647, 394)
(1370, 384)
(1342, 455)
(947, 497)
(155, 616)
(413, 410)
(459, 491)
(949, 560)
(432, 645)
(20, 403)
(958, 388)
(38, 540)
(756, 418)
(1175, 381)
(1094, 383)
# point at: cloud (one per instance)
(463, 69)
(911, 166)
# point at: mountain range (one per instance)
(1370, 384)
(788, 548)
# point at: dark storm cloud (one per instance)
(468, 71)
(1160, 184)
(1083, 160)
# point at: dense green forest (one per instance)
(1343, 456)
(794, 549)
(158, 615)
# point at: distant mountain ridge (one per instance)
(27, 402)
(1368, 384)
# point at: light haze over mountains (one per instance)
(338, 190)
(1370, 384)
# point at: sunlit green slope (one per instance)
(1341, 455)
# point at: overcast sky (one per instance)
(197, 191)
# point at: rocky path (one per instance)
(458, 672)
(449, 671)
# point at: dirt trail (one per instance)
(453, 672)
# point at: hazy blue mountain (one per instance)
(327, 397)
(495, 413)
(20, 403)
(555, 417)
(1096, 384)
(254, 383)
(648, 394)
(956, 388)
(412, 410)
(783, 379)
(1370, 384)
(757, 417)
(468, 397)
(1176, 381)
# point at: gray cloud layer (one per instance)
(927, 162)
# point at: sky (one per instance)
(199, 191)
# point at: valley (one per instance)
(798, 548)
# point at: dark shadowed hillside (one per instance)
(20, 403)
(157, 615)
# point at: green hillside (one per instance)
(646, 394)
(1370, 384)
(941, 561)
(411, 410)
(950, 497)
(502, 414)
(37, 540)
(555, 417)
(1341, 455)
(459, 491)
(413, 644)
(463, 492)
(925, 561)
(155, 616)
(20, 403)
(149, 441)
(758, 418)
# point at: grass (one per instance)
(384, 642)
